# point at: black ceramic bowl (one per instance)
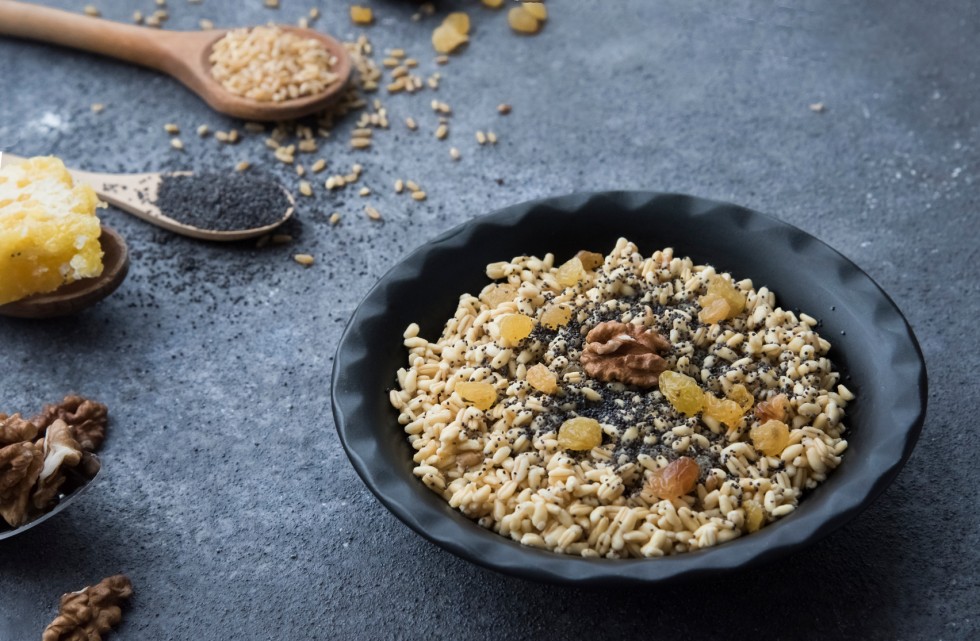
(873, 347)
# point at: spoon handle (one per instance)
(142, 46)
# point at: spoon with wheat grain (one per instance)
(184, 55)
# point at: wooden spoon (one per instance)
(83, 293)
(137, 194)
(181, 54)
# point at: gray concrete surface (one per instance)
(226, 496)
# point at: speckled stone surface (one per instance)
(226, 496)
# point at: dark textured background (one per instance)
(226, 496)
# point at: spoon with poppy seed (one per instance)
(184, 55)
(208, 206)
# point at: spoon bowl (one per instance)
(184, 55)
(76, 296)
(63, 504)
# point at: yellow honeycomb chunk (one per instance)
(770, 438)
(482, 395)
(542, 379)
(556, 316)
(580, 434)
(515, 327)
(49, 233)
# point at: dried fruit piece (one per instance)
(714, 309)
(741, 395)
(722, 410)
(536, 9)
(776, 408)
(580, 434)
(755, 516)
(570, 273)
(678, 479)
(515, 327)
(556, 316)
(682, 392)
(770, 438)
(590, 260)
(542, 379)
(493, 4)
(521, 21)
(494, 295)
(482, 395)
(361, 15)
(720, 290)
(445, 39)
(458, 21)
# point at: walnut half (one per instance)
(86, 418)
(87, 614)
(20, 465)
(14, 429)
(624, 352)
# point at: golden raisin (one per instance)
(742, 396)
(458, 21)
(775, 408)
(570, 273)
(682, 392)
(536, 9)
(722, 410)
(361, 15)
(590, 260)
(493, 4)
(482, 395)
(770, 438)
(580, 434)
(494, 295)
(521, 21)
(755, 516)
(714, 309)
(542, 379)
(556, 316)
(445, 39)
(515, 327)
(676, 480)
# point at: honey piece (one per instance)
(570, 273)
(580, 434)
(542, 379)
(678, 479)
(481, 395)
(515, 327)
(446, 39)
(770, 438)
(49, 233)
(682, 392)
(556, 316)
